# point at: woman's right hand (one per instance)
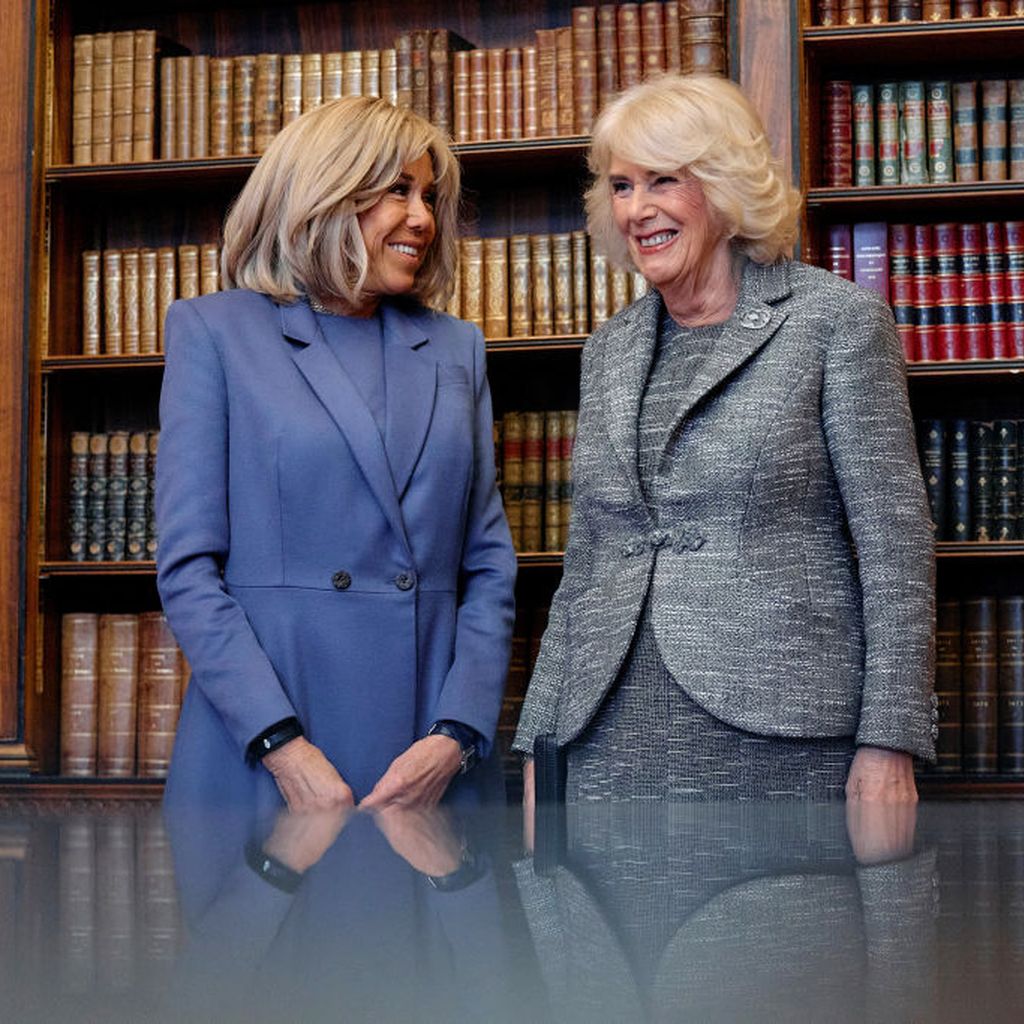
(306, 779)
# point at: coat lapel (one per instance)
(411, 381)
(339, 396)
(753, 322)
(627, 362)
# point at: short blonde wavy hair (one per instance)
(705, 125)
(293, 230)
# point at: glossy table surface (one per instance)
(625, 912)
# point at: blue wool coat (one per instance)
(307, 565)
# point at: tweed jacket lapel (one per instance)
(627, 362)
(411, 378)
(753, 322)
(340, 397)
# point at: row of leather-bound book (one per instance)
(122, 681)
(877, 12)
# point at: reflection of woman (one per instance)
(747, 602)
(334, 559)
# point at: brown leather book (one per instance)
(159, 694)
(935, 10)
(564, 75)
(148, 333)
(122, 100)
(371, 72)
(652, 38)
(130, 302)
(981, 685)
(420, 57)
(876, 11)
(79, 693)
(168, 108)
(673, 36)
(993, 129)
(600, 294)
(553, 480)
(1015, 127)
(512, 474)
(519, 277)
(92, 330)
(102, 97)
(496, 93)
(243, 95)
(702, 47)
(965, 130)
(460, 96)
(200, 107)
(222, 105)
(333, 68)
(618, 281)
(547, 83)
(81, 99)
(209, 268)
(629, 45)
(113, 305)
(514, 93)
(533, 480)
(584, 85)
(1011, 685)
(442, 44)
(312, 81)
(135, 505)
(569, 417)
(389, 75)
(607, 53)
(266, 101)
(403, 69)
(477, 95)
(561, 269)
(144, 94)
(291, 88)
(495, 257)
(471, 265)
(580, 283)
(352, 73)
(118, 694)
(166, 287)
(542, 292)
(183, 107)
(188, 271)
(531, 93)
(948, 686)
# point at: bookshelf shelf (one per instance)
(539, 559)
(933, 786)
(62, 788)
(77, 364)
(900, 202)
(980, 549)
(58, 570)
(991, 369)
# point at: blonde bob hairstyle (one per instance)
(704, 125)
(294, 231)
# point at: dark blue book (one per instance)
(983, 521)
(1004, 479)
(932, 441)
(958, 439)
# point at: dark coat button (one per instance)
(341, 580)
(405, 581)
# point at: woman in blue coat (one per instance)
(334, 559)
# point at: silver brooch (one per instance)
(755, 319)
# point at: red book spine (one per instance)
(1014, 263)
(837, 155)
(901, 286)
(995, 287)
(948, 296)
(972, 281)
(924, 293)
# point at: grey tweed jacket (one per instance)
(790, 562)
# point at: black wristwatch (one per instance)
(466, 738)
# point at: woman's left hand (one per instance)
(418, 777)
(884, 776)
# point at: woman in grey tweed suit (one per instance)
(747, 602)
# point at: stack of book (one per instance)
(957, 290)
(974, 475)
(877, 12)
(531, 621)
(538, 285)
(122, 680)
(979, 682)
(111, 481)
(126, 292)
(919, 133)
(534, 453)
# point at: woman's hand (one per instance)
(419, 776)
(306, 779)
(884, 776)
(529, 803)
(424, 837)
(300, 840)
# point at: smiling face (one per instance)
(397, 231)
(674, 237)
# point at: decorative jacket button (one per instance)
(755, 319)
(341, 580)
(405, 581)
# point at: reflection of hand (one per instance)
(419, 776)
(529, 804)
(878, 775)
(299, 840)
(880, 832)
(422, 836)
(306, 779)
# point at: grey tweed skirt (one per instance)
(651, 740)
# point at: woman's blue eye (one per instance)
(619, 187)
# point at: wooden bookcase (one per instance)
(983, 390)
